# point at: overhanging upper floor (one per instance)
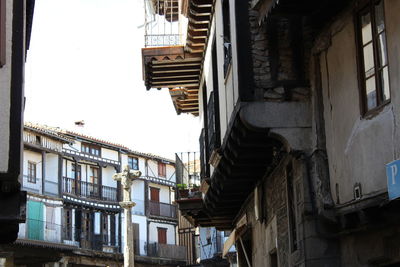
(253, 146)
(179, 68)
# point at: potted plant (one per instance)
(183, 190)
(195, 188)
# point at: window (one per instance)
(94, 175)
(133, 163)
(38, 140)
(104, 229)
(86, 225)
(2, 33)
(91, 149)
(68, 224)
(227, 35)
(162, 169)
(31, 172)
(94, 180)
(208, 236)
(373, 65)
(76, 170)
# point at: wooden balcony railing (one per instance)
(166, 251)
(89, 190)
(160, 209)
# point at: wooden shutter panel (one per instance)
(162, 235)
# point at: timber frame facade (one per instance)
(300, 118)
(73, 212)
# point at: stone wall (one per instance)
(278, 54)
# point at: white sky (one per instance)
(84, 63)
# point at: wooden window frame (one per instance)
(32, 172)
(368, 7)
(3, 35)
(162, 169)
(89, 148)
(130, 160)
(93, 177)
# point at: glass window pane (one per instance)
(370, 88)
(382, 49)
(369, 65)
(385, 83)
(379, 17)
(366, 28)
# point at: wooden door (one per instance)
(76, 170)
(86, 229)
(162, 235)
(154, 201)
(154, 194)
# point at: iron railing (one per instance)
(162, 26)
(160, 209)
(71, 152)
(155, 40)
(89, 190)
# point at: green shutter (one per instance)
(35, 220)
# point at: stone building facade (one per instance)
(300, 111)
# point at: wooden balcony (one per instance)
(167, 251)
(164, 210)
(88, 190)
(178, 68)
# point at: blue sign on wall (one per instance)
(393, 179)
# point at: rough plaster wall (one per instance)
(164, 192)
(393, 42)
(109, 153)
(137, 195)
(106, 176)
(52, 167)
(358, 148)
(5, 79)
(170, 171)
(142, 221)
(153, 233)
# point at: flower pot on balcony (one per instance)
(183, 193)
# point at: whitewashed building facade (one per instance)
(72, 201)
